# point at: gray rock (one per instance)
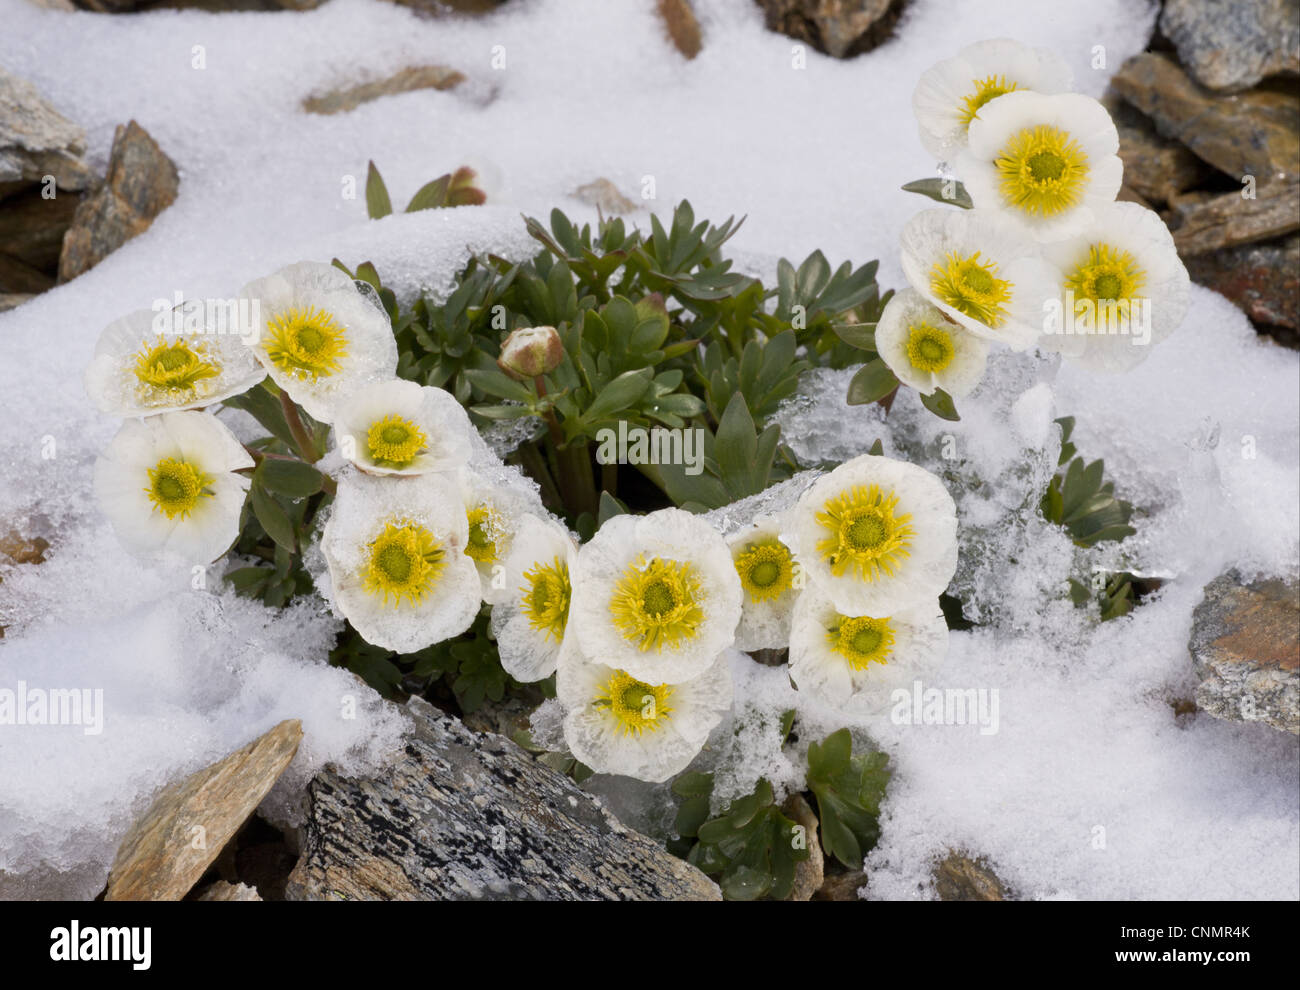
(36, 140)
(463, 815)
(141, 182)
(841, 28)
(1245, 647)
(170, 847)
(1155, 168)
(1202, 222)
(1255, 133)
(1233, 44)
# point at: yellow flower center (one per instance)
(175, 487)
(864, 534)
(982, 91)
(637, 706)
(656, 604)
(306, 343)
(1043, 171)
(486, 534)
(971, 286)
(405, 562)
(1108, 274)
(546, 597)
(929, 348)
(766, 569)
(395, 442)
(861, 640)
(174, 366)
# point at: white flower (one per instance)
(1123, 288)
(615, 723)
(838, 658)
(494, 514)
(769, 580)
(875, 535)
(925, 349)
(167, 484)
(320, 340)
(656, 595)
(150, 362)
(950, 94)
(1047, 161)
(400, 427)
(529, 622)
(982, 271)
(394, 547)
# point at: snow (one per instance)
(814, 156)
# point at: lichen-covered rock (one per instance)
(841, 28)
(36, 140)
(1232, 46)
(170, 847)
(464, 815)
(1262, 279)
(1245, 647)
(141, 182)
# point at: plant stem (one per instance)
(300, 435)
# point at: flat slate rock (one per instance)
(464, 815)
(1245, 646)
(36, 140)
(170, 847)
(1233, 46)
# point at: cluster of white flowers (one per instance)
(1046, 257)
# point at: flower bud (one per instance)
(531, 351)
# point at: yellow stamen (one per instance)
(972, 287)
(929, 348)
(175, 487)
(861, 640)
(306, 343)
(405, 563)
(655, 604)
(395, 442)
(865, 535)
(174, 366)
(766, 569)
(546, 597)
(982, 91)
(637, 706)
(1043, 171)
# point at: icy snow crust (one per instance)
(1089, 789)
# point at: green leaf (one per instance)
(498, 383)
(859, 335)
(872, 383)
(736, 446)
(431, 195)
(622, 392)
(752, 847)
(377, 202)
(940, 403)
(273, 519)
(609, 508)
(266, 409)
(295, 479)
(948, 191)
(848, 790)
